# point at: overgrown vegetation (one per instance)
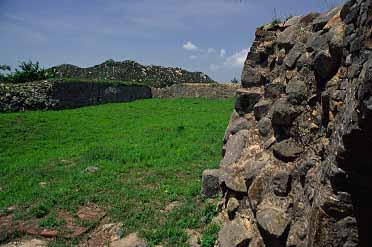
(28, 71)
(148, 153)
(210, 235)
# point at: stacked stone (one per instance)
(131, 71)
(27, 96)
(296, 169)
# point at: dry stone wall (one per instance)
(196, 90)
(46, 95)
(296, 169)
(60, 94)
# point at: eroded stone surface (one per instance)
(302, 179)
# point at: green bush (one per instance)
(27, 72)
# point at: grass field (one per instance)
(148, 153)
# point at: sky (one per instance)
(212, 36)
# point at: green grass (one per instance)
(149, 153)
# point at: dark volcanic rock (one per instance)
(262, 108)
(304, 178)
(283, 113)
(246, 99)
(210, 183)
(297, 91)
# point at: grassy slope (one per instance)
(149, 152)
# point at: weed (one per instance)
(210, 235)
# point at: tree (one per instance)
(27, 72)
(4, 67)
(235, 81)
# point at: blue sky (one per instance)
(212, 36)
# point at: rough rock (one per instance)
(132, 240)
(210, 183)
(287, 150)
(236, 233)
(234, 148)
(27, 243)
(297, 91)
(262, 108)
(272, 220)
(304, 176)
(294, 55)
(236, 125)
(246, 99)
(283, 113)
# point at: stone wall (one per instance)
(62, 95)
(296, 169)
(196, 90)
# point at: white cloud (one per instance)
(193, 57)
(237, 59)
(189, 46)
(222, 53)
(211, 50)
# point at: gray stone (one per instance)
(210, 183)
(132, 240)
(233, 182)
(235, 126)
(235, 234)
(91, 169)
(287, 150)
(264, 127)
(297, 91)
(253, 77)
(234, 148)
(325, 67)
(262, 108)
(274, 90)
(281, 182)
(293, 55)
(245, 100)
(272, 220)
(283, 113)
(287, 39)
(317, 42)
(232, 207)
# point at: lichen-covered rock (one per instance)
(297, 91)
(287, 150)
(210, 183)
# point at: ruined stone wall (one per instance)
(296, 169)
(47, 95)
(196, 90)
